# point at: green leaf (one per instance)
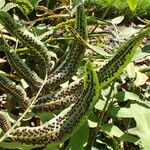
(109, 1)
(25, 6)
(133, 72)
(146, 49)
(120, 112)
(92, 124)
(117, 20)
(100, 104)
(2, 3)
(130, 138)
(128, 32)
(9, 6)
(125, 95)
(14, 145)
(35, 3)
(141, 79)
(45, 116)
(112, 130)
(79, 138)
(132, 4)
(140, 55)
(142, 117)
(52, 147)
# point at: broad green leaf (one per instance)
(130, 138)
(128, 32)
(141, 79)
(92, 124)
(131, 70)
(140, 55)
(125, 95)
(146, 49)
(117, 20)
(132, 4)
(115, 111)
(100, 104)
(142, 117)
(79, 139)
(112, 130)
(120, 112)
(40, 29)
(9, 6)
(2, 3)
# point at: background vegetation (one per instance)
(123, 110)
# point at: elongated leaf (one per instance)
(2, 3)
(25, 6)
(132, 4)
(35, 3)
(9, 6)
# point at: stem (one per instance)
(93, 135)
(55, 16)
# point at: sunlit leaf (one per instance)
(35, 3)
(132, 4)
(117, 20)
(112, 130)
(120, 112)
(2, 3)
(141, 79)
(128, 32)
(129, 138)
(9, 6)
(92, 124)
(125, 95)
(141, 115)
(131, 70)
